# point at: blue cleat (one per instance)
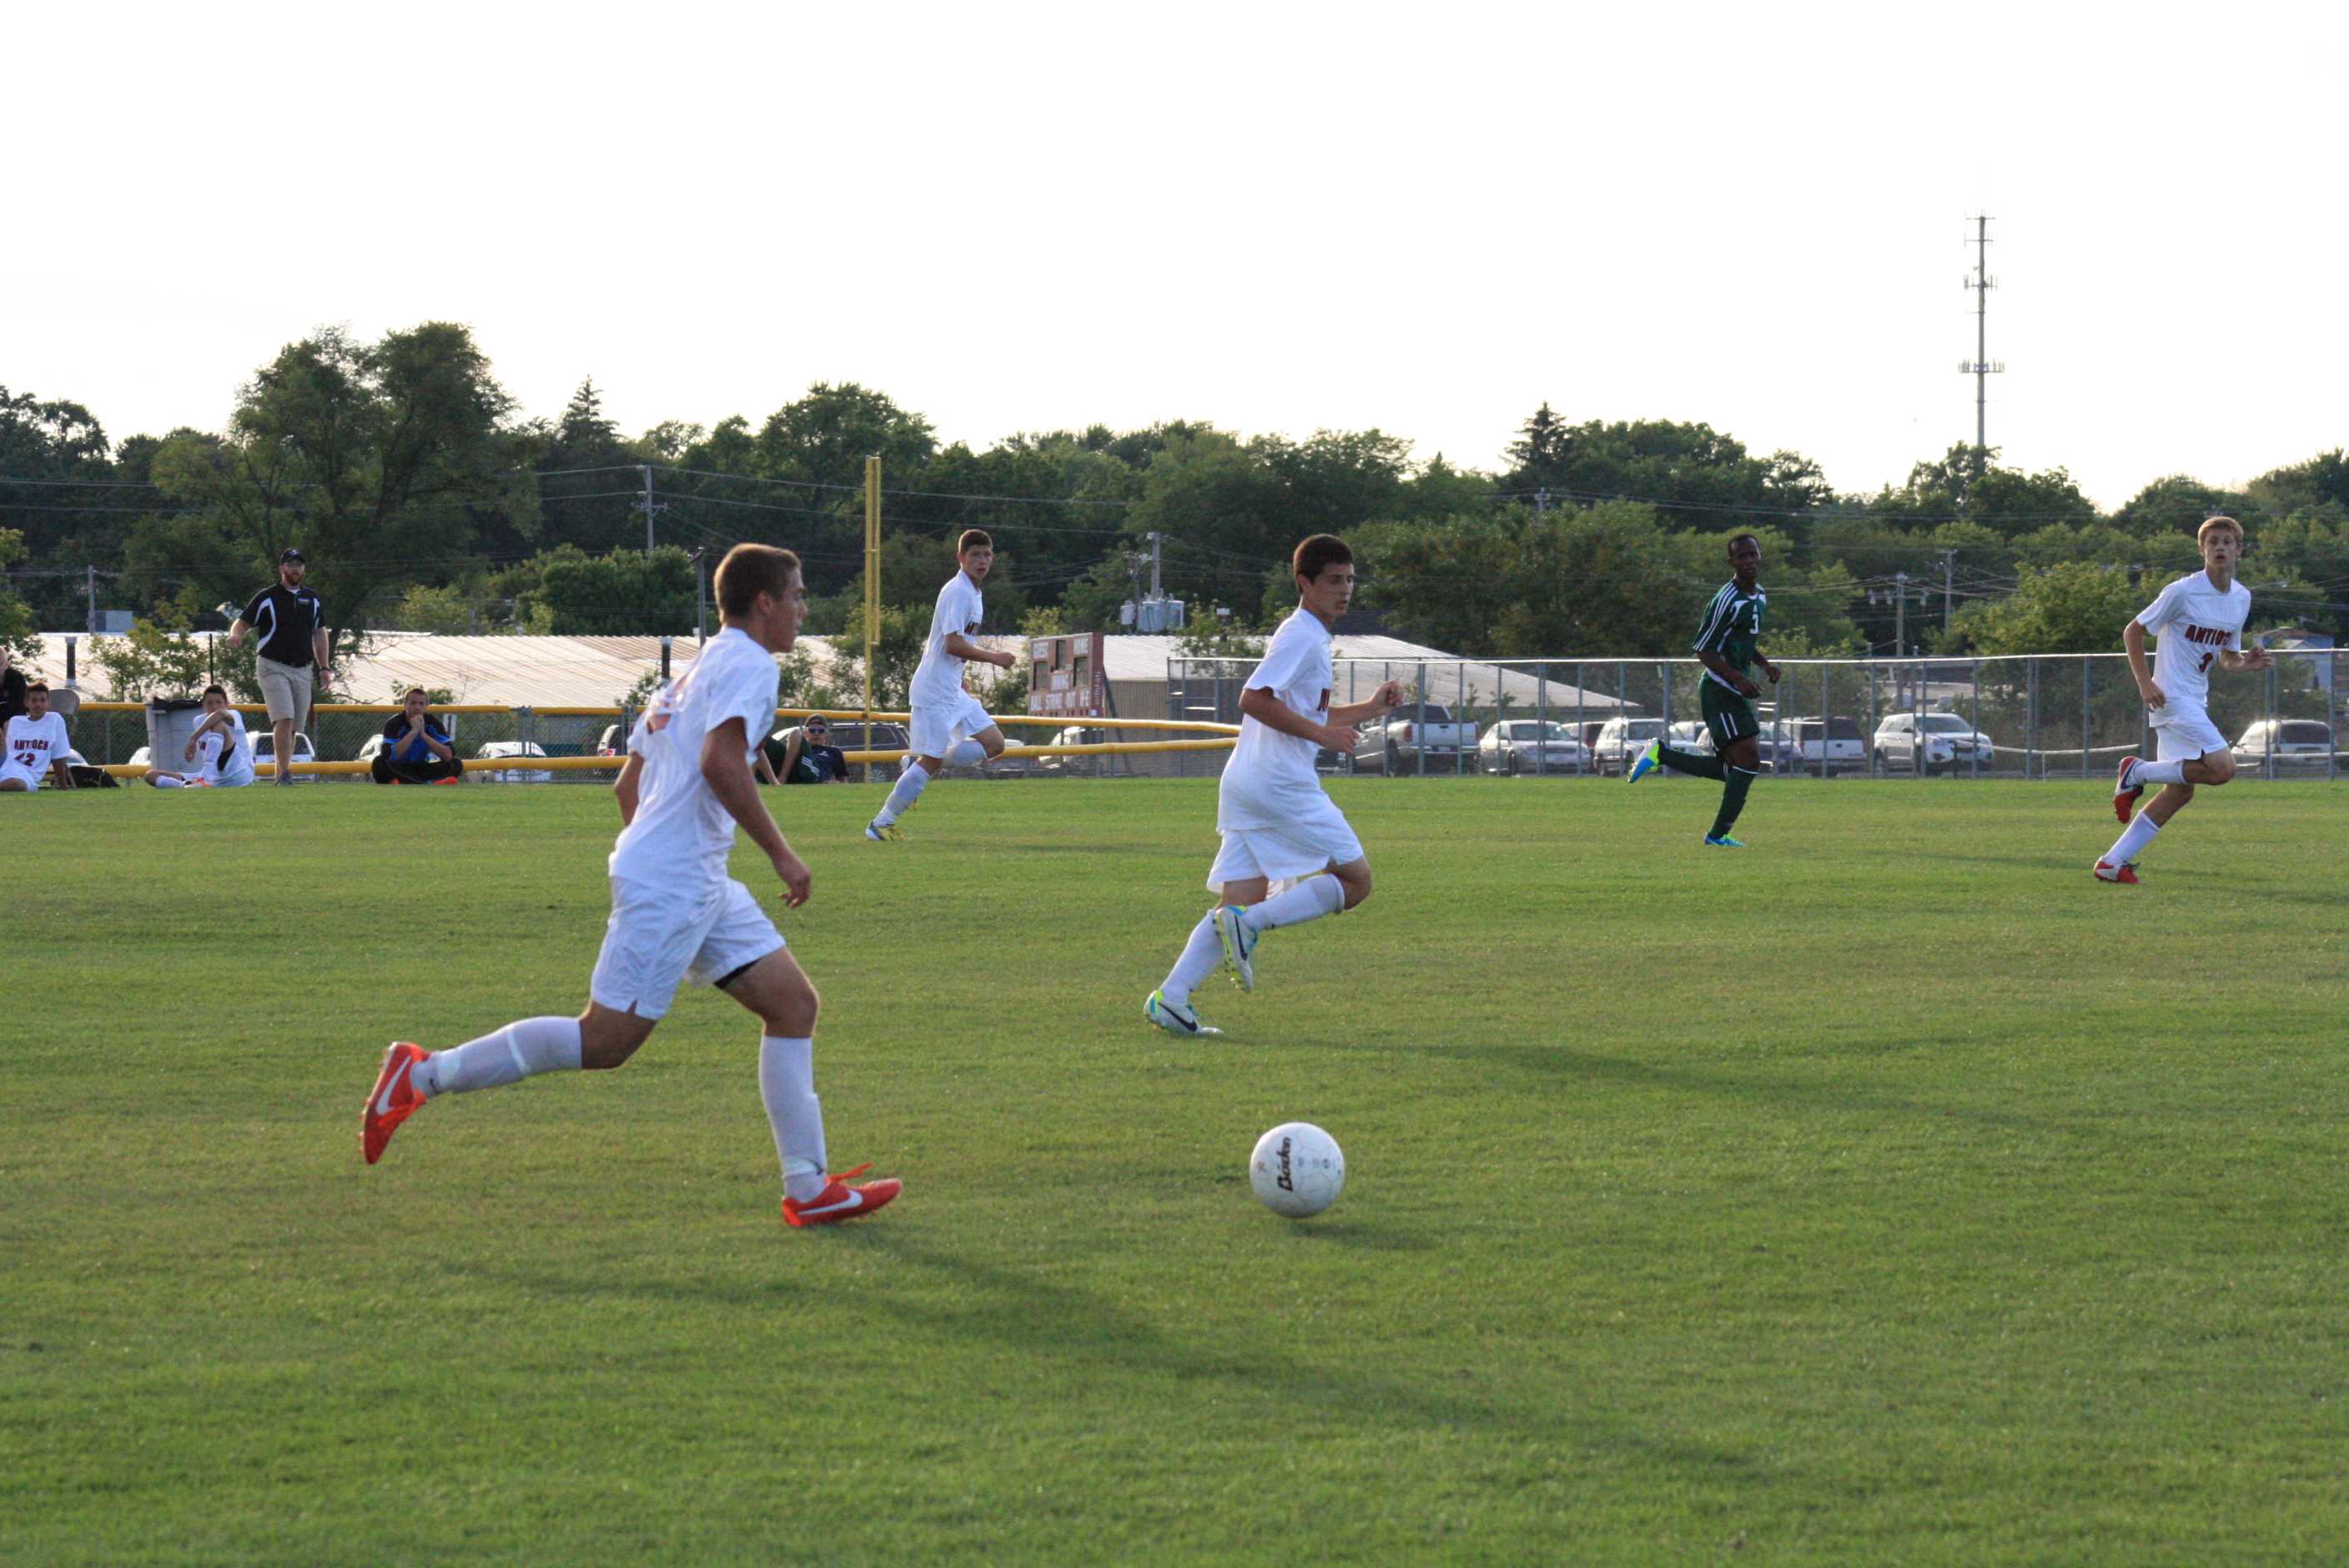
(1173, 1017)
(1240, 942)
(1647, 762)
(1723, 842)
(882, 832)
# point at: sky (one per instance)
(1275, 218)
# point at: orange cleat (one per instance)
(839, 1201)
(392, 1100)
(2108, 872)
(2124, 794)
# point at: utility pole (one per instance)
(1901, 615)
(1981, 368)
(90, 574)
(1155, 592)
(700, 596)
(646, 470)
(1948, 557)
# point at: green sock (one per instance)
(1695, 762)
(1735, 781)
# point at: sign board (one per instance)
(1067, 676)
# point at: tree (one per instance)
(383, 461)
(2070, 608)
(624, 592)
(2178, 504)
(18, 632)
(1694, 475)
(584, 469)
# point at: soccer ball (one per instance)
(1297, 1170)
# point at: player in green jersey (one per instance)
(1726, 645)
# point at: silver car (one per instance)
(2288, 744)
(1516, 745)
(1930, 743)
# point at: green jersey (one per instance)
(1732, 626)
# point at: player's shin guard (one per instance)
(787, 1085)
(1201, 953)
(1734, 782)
(2133, 842)
(1695, 762)
(903, 793)
(1309, 900)
(518, 1051)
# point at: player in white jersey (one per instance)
(676, 914)
(36, 746)
(2198, 621)
(217, 754)
(949, 725)
(1279, 828)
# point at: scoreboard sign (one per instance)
(1066, 676)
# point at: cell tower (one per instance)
(1981, 368)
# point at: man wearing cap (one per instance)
(291, 624)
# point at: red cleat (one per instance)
(2108, 872)
(392, 1100)
(839, 1201)
(2124, 794)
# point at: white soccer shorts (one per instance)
(937, 726)
(1314, 841)
(658, 937)
(2184, 734)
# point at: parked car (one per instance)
(1075, 767)
(1621, 740)
(891, 739)
(1397, 743)
(1516, 746)
(613, 741)
(497, 750)
(265, 754)
(2290, 743)
(1938, 742)
(1799, 744)
(1689, 734)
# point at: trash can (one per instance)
(170, 722)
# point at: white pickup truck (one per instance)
(1418, 730)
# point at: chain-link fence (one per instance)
(2036, 716)
(110, 733)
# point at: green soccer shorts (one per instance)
(1727, 714)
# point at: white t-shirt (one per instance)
(960, 608)
(34, 744)
(681, 835)
(2193, 624)
(207, 765)
(1269, 773)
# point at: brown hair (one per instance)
(1318, 554)
(216, 687)
(751, 569)
(2223, 524)
(32, 687)
(973, 539)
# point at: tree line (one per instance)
(427, 501)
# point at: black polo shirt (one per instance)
(283, 619)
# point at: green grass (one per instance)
(1890, 1191)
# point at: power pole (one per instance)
(1901, 615)
(1981, 366)
(91, 576)
(1948, 557)
(646, 468)
(1155, 592)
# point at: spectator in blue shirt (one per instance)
(416, 747)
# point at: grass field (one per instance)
(1890, 1191)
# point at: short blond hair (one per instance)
(2219, 525)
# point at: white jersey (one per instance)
(223, 758)
(681, 834)
(960, 609)
(33, 745)
(1269, 780)
(2193, 624)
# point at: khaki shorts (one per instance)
(286, 689)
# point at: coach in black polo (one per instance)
(291, 625)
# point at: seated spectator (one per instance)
(12, 687)
(36, 744)
(801, 755)
(416, 747)
(219, 754)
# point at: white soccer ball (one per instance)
(1297, 1170)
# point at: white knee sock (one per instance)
(787, 1083)
(1201, 953)
(1309, 900)
(965, 754)
(511, 1053)
(161, 782)
(2157, 773)
(2132, 843)
(907, 789)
